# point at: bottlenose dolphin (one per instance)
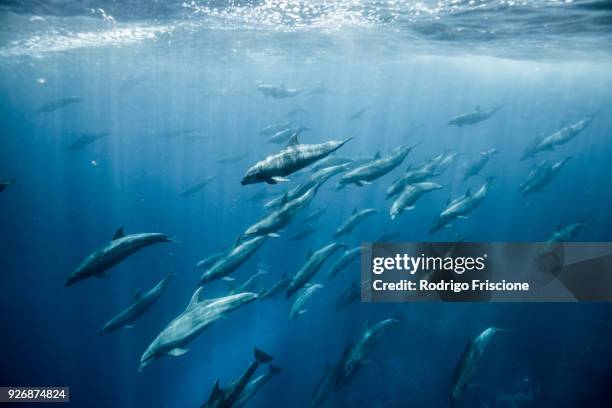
(276, 288)
(461, 206)
(466, 366)
(566, 233)
(109, 255)
(298, 307)
(85, 140)
(474, 167)
(281, 217)
(305, 232)
(349, 296)
(275, 128)
(197, 186)
(232, 158)
(278, 92)
(559, 138)
(376, 168)
(294, 157)
(284, 135)
(329, 161)
(140, 304)
(311, 266)
(255, 385)
(410, 195)
(5, 183)
(473, 117)
(316, 214)
(210, 260)
(356, 217)
(249, 284)
(325, 386)
(227, 398)
(228, 263)
(541, 174)
(410, 176)
(345, 260)
(198, 316)
(355, 354)
(315, 178)
(57, 104)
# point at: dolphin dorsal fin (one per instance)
(468, 193)
(216, 391)
(119, 234)
(195, 298)
(366, 326)
(284, 199)
(309, 253)
(559, 227)
(293, 141)
(137, 295)
(354, 210)
(237, 241)
(377, 155)
(478, 108)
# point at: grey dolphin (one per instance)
(276, 288)
(410, 176)
(109, 255)
(294, 157)
(140, 304)
(558, 138)
(5, 183)
(232, 158)
(356, 217)
(475, 166)
(284, 135)
(325, 387)
(304, 233)
(228, 263)
(541, 175)
(566, 233)
(249, 284)
(409, 197)
(197, 186)
(316, 214)
(210, 260)
(329, 161)
(85, 140)
(466, 366)
(461, 206)
(275, 128)
(355, 355)
(255, 385)
(376, 168)
(311, 266)
(227, 398)
(343, 262)
(349, 296)
(473, 118)
(282, 216)
(278, 92)
(198, 316)
(299, 305)
(58, 104)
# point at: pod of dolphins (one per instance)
(406, 190)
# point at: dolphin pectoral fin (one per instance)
(301, 312)
(463, 217)
(128, 326)
(177, 352)
(358, 183)
(270, 181)
(228, 279)
(411, 207)
(274, 235)
(103, 275)
(279, 179)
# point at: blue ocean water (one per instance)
(174, 84)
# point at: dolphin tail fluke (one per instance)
(274, 369)
(504, 330)
(174, 240)
(262, 357)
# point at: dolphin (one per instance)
(316, 214)
(197, 186)
(298, 307)
(409, 197)
(275, 128)
(232, 158)
(461, 206)
(5, 183)
(112, 253)
(304, 233)
(227, 398)
(559, 138)
(311, 266)
(345, 260)
(282, 136)
(174, 133)
(255, 385)
(325, 387)
(466, 366)
(356, 217)
(198, 316)
(410, 176)
(294, 157)
(541, 175)
(567, 232)
(85, 140)
(140, 304)
(282, 216)
(349, 296)
(210, 260)
(315, 178)
(388, 236)
(329, 161)
(473, 118)
(249, 284)
(442, 162)
(356, 354)
(278, 92)
(276, 288)
(58, 104)
(233, 259)
(376, 168)
(474, 167)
